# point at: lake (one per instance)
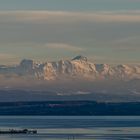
(69, 128)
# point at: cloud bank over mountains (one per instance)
(57, 17)
(62, 33)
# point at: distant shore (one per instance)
(70, 108)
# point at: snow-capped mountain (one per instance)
(78, 67)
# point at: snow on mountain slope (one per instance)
(78, 67)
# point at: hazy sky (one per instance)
(106, 31)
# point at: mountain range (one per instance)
(78, 67)
(73, 79)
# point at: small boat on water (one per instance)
(13, 131)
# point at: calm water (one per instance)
(78, 128)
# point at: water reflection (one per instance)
(78, 128)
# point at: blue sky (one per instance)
(106, 31)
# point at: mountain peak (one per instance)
(26, 61)
(80, 57)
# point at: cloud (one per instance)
(129, 44)
(6, 56)
(68, 33)
(130, 38)
(11, 58)
(63, 46)
(68, 17)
